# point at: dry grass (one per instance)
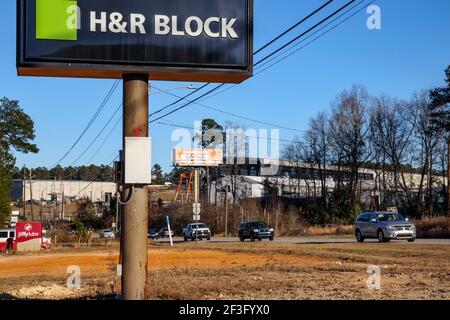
(242, 271)
(433, 227)
(317, 231)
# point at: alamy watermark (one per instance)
(374, 19)
(241, 146)
(374, 279)
(74, 278)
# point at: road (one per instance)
(315, 240)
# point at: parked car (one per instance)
(164, 232)
(255, 230)
(6, 234)
(384, 226)
(153, 234)
(196, 231)
(107, 234)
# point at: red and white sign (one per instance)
(27, 231)
(29, 236)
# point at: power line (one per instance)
(189, 103)
(293, 27)
(302, 47)
(304, 33)
(106, 139)
(180, 99)
(94, 117)
(263, 59)
(173, 124)
(316, 38)
(199, 99)
(234, 114)
(98, 135)
(89, 184)
(255, 53)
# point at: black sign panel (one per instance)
(182, 40)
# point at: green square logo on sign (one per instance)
(56, 19)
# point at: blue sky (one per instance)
(409, 53)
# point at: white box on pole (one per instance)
(137, 162)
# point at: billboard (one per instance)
(178, 40)
(28, 236)
(197, 157)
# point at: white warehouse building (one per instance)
(53, 190)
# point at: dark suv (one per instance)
(255, 230)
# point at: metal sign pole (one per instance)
(196, 187)
(170, 231)
(135, 212)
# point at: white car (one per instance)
(107, 234)
(196, 231)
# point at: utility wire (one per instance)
(304, 33)
(89, 184)
(260, 67)
(234, 114)
(173, 124)
(180, 99)
(293, 27)
(262, 60)
(106, 139)
(284, 33)
(97, 136)
(94, 117)
(313, 34)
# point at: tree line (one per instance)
(392, 137)
(101, 173)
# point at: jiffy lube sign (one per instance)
(203, 40)
(28, 236)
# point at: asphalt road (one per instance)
(313, 240)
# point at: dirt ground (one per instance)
(239, 271)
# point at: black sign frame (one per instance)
(194, 73)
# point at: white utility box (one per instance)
(137, 162)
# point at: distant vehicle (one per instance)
(196, 231)
(107, 234)
(46, 243)
(164, 232)
(6, 234)
(384, 226)
(153, 234)
(255, 230)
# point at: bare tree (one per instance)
(349, 126)
(427, 137)
(392, 127)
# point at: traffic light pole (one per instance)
(135, 212)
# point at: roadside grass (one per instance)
(318, 230)
(236, 271)
(390, 253)
(433, 227)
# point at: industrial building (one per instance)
(54, 190)
(303, 180)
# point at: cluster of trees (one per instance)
(82, 173)
(390, 136)
(16, 133)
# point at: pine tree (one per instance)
(16, 132)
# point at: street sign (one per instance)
(176, 40)
(197, 157)
(196, 218)
(196, 208)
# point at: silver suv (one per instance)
(384, 226)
